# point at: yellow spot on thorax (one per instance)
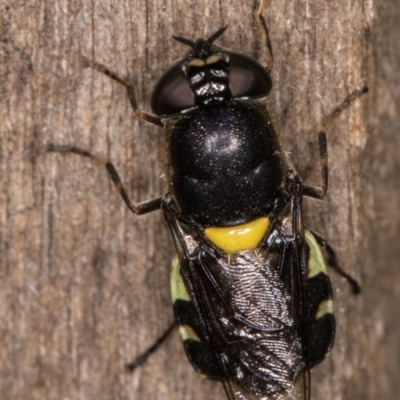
(240, 237)
(213, 59)
(196, 62)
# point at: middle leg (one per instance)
(319, 192)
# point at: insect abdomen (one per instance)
(320, 334)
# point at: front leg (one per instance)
(138, 209)
(130, 88)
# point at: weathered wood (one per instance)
(84, 284)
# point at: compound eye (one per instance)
(172, 93)
(247, 77)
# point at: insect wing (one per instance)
(296, 393)
(239, 318)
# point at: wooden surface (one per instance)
(84, 284)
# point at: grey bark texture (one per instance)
(84, 284)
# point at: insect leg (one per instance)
(141, 358)
(138, 209)
(262, 27)
(315, 191)
(333, 263)
(320, 192)
(130, 88)
(336, 112)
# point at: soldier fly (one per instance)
(250, 289)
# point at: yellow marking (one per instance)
(327, 354)
(326, 307)
(196, 62)
(240, 237)
(316, 263)
(213, 59)
(178, 288)
(187, 332)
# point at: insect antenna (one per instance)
(210, 40)
(216, 35)
(184, 41)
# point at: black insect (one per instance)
(250, 290)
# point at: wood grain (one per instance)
(84, 284)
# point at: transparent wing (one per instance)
(246, 306)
